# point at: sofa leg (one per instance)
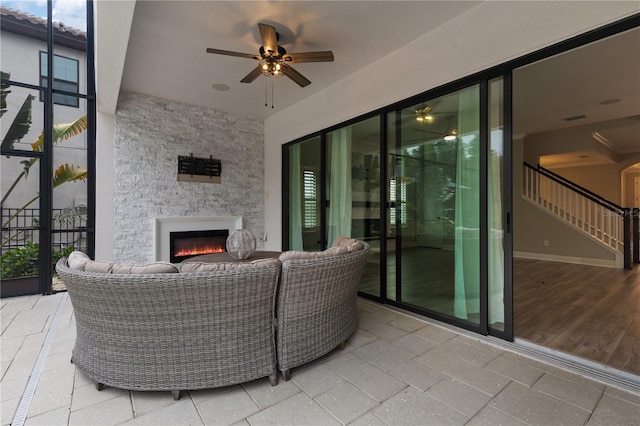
(176, 395)
(99, 386)
(286, 375)
(343, 345)
(273, 378)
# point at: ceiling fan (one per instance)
(274, 59)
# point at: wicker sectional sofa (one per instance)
(155, 328)
(316, 309)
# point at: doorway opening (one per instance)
(582, 124)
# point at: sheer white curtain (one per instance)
(467, 205)
(296, 199)
(496, 230)
(339, 216)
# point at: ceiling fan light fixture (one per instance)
(272, 67)
(424, 115)
(451, 135)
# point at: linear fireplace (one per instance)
(163, 227)
(185, 244)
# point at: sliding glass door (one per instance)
(434, 205)
(423, 184)
(353, 191)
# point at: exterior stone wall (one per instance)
(150, 134)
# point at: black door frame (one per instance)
(46, 166)
(482, 78)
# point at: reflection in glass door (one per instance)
(434, 205)
(353, 192)
(302, 174)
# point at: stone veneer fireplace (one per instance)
(150, 134)
(165, 226)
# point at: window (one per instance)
(65, 77)
(394, 199)
(310, 199)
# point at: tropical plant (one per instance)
(23, 261)
(20, 261)
(17, 130)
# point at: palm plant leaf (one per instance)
(68, 173)
(62, 131)
(20, 125)
(4, 91)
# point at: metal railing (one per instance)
(612, 225)
(22, 226)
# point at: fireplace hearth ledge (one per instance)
(163, 226)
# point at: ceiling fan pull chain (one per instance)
(271, 93)
(265, 92)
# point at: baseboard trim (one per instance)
(567, 259)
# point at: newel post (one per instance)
(636, 235)
(626, 220)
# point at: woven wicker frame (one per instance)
(316, 306)
(183, 331)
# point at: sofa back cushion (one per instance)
(150, 268)
(294, 254)
(80, 261)
(226, 266)
(350, 243)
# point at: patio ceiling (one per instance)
(166, 53)
(159, 48)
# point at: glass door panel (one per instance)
(353, 192)
(302, 221)
(433, 206)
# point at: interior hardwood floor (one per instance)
(587, 311)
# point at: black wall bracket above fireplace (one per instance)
(197, 169)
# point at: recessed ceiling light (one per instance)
(609, 101)
(221, 87)
(575, 117)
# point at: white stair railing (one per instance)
(603, 222)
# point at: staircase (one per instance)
(611, 225)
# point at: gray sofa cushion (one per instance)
(350, 243)
(226, 266)
(80, 261)
(150, 268)
(294, 254)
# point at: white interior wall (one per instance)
(487, 35)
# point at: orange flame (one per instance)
(196, 250)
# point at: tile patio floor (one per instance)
(396, 370)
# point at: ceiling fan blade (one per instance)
(252, 75)
(295, 75)
(325, 56)
(269, 38)
(428, 131)
(230, 53)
